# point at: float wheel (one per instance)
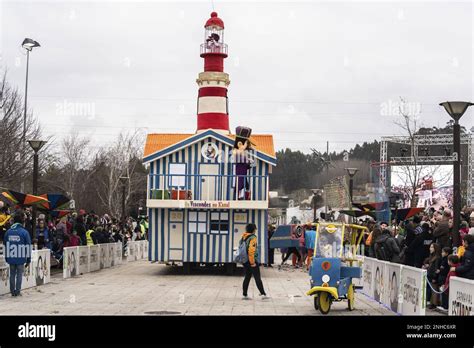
(315, 298)
(350, 298)
(324, 302)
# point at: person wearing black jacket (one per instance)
(80, 228)
(444, 267)
(386, 247)
(432, 264)
(442, 231)
(420, 247)
(116, 235)
(466, 269)
(409, 238)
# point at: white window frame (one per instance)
(177, 181)
(197, 222)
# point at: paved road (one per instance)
(143, 288)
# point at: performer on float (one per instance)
(241, 156)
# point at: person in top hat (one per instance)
(243, 161)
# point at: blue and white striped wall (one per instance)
(192, 157)
(202, 247)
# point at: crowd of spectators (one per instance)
(74, 229)
(427, 241)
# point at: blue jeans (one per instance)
(16, 274)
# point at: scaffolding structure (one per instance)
(415, 158)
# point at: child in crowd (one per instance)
(453, 261)
(444, 266)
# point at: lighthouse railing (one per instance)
(208, 187)
(214, 48)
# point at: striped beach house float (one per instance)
(195, 214)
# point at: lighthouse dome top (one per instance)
(214, 21)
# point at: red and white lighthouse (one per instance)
(212, 105)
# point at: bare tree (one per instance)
(76, 156)
(122, 159)
(16, 156)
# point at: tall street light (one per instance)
(28, 45)
(36, 145)
(351, 172)
(123, 181)
(456, 109)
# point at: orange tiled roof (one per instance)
(156, 142)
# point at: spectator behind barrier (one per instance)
(466, 269)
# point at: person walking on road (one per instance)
(251, 266)
(18, 251)
(271, 251)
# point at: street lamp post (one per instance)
(351, 172)
(456, 109)
(28, 45)
(123, 181)
(36, 145)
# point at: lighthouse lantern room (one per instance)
(205, 187)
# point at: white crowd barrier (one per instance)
(37, 273)
(85, 259)
(401, 288)
(461, 295)
(137, 250)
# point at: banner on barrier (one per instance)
(35, 274)
(84, 261)
(413, 288)
(70, 262)
(145, 249)
(399, 287)
(139, 250)
(368, 276)
(95, 258)
(393, 296)
(112, 248)
(103, 253)
(379, 281)
(461, 294)
(132, 251)
(107, 254)
(118, 256)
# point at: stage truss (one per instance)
(426, 140)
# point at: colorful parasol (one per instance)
(405, 213)
(23, 198)
(57, 214)
(54, 201)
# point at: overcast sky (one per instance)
(307, 72)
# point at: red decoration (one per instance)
(214, 20)
(213, 120)
(326, 265)
(212, 92)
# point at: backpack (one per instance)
(383, 251)
(241, 254)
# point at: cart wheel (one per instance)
(315, 298)
(324, 302)
(350, 297)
